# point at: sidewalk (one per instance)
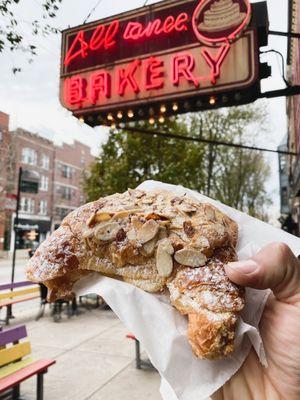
(94, 359)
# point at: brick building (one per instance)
(293, 112)
(33, 153)
(60, 170)
(71, 162)
(4, 150)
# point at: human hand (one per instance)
(277, 268)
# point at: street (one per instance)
(6, 267)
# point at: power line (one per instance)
(167, 135)
(91, 12)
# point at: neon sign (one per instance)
(164, 51)
(216, 22)
(136, 30)
(105, 37)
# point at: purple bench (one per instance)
(16, 365)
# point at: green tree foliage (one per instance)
(11, 37)
(234, 176)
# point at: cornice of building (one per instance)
(74, 145)
(27, 134)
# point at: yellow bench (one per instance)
(9, 295)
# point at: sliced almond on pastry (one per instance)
(162, 234)
(107, 232)
(164, 260)
(131, 234)
(200, 242)
(149, 247)
(177, 222)
(187, 207)
(189, 229)
(101, 217)
(125, 213)
(148, 231)
(210, 212)
(190, 258)
(91, 221)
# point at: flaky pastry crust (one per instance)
(157, 242)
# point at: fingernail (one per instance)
(245, 267)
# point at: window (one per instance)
(45, 162)
(62, 212)
(66, 171)
(43, 207)
(27, 205)
(29, 156)
(44, 183)
(66, 192)
(82, 199)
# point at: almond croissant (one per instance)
(157, 242)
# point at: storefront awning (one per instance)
(36, 225)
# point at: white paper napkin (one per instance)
(163, 331)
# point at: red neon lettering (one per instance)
(75, 90)
(105, 36)
(154, 74)
(183, 66)
(111, 34)
(135, 30)
(97, 38)
(180, 23)
(132, 31)
(100, 85)
(126, 78)
(102, 37)
(169, 24)
(153, 28)
(82, 51)
(215, 62)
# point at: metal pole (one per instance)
(15, 226)
(293, 35)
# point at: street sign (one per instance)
(10, 202)
(170, 57)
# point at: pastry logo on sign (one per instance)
(169, 51)
(217, 23)
(220, 21)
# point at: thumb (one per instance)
(275, 267)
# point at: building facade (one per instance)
(71, 163)
(33, 153)
(60, 170)
(293, 113)
(4, 154)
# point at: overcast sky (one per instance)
(31, 97)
